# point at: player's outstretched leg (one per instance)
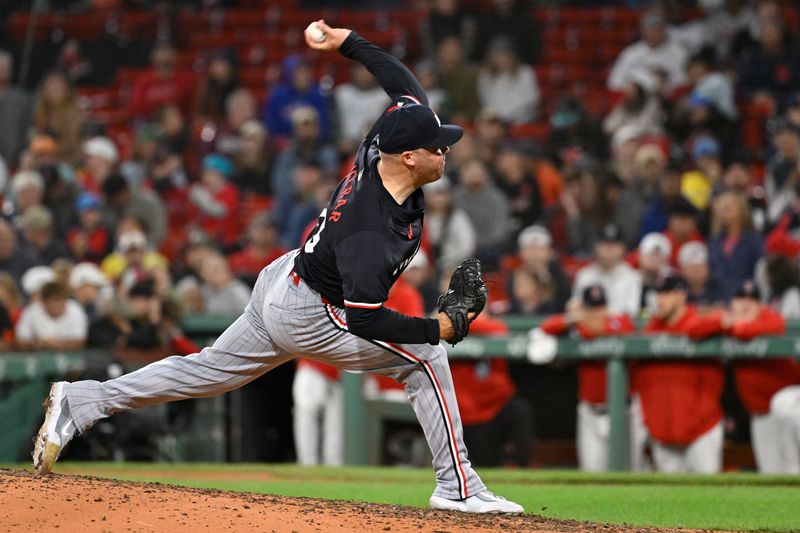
(430, 389)
(57, 430)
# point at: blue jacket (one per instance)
(732, 270)
(284, 99)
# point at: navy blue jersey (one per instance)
(364, 239)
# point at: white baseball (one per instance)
(315, 32)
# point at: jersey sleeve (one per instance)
(363, 263)
(395, 78)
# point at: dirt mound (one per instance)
(85, 504)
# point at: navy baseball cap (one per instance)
(748, 289)
(407, 127)
(594, 296)
(670, 282)
(610, 233)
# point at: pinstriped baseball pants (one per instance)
(287, 319)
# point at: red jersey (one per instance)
(680, 398)
(151, 92)
(250, 262)
(756, 380)
(482, 388)
(591, 374)
(226, 228)
(98, 243)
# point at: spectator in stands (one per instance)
(458, 79)
(187, 272)
(734, 247)
(699, 184)
(294, 212)
(90, 240)
(448, 229)
(447, 20)
(650, 164)
(513, 20)
(530, 294)
(622, 284)
(656, 215)
(506, 86)
(15, 258)
(133, 257)
(654, 253)
(487, 209)
(627, 206)
(297, 89)
(261, 249)
(680, 398)
(220, 82)
(27, 190)
(253, 160)
(703, 289)
(438, 97)
(15, 108)
(223, 294)
(172, 129)
(217, 201)
(656, 52)
(589, 317)
(224, 136)
(757, 381)
(121, 199)
(520, 187)
(769, 71)
(359, 103)
(681, 226)
(575, 134)
(639, 107)
(783, 168)
(535, 249)
(161, 85)
(57, 113)
(307, 144)
(101, 157)
(55, 323)
(88, 284)
(710, 85)
(783, 285)
(739, 179)
(624, 145)
(490, 133)
(36, 225)
(10, 310)
(585, 208)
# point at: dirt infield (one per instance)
(85, 504)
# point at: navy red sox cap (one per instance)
(594, 296)
(670, 282)
(407, 127)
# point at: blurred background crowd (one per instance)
(155, 156)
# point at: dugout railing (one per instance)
(24, 377)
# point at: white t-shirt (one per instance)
(670, 57)
(35, 324)
(514, 97)
(358, 109)
(623, 286)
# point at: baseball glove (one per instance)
(466, 294)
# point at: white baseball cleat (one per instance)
(57, 430)
(485, 502)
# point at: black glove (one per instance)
(466, 294)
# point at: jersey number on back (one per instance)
(314, 239)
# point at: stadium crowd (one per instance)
(669, 207)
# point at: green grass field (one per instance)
(730, 502)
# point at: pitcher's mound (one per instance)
(84, 504)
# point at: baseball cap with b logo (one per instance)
(407, 127)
